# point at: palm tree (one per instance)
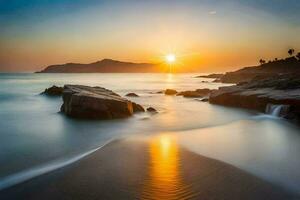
(261, 61)
(291, 52)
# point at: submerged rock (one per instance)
(53, 91)
(96, 103)
(170, 92)
(132, 95)
(151, 109)
(205, 99)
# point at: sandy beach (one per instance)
(147, 168)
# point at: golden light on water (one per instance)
(164, 180)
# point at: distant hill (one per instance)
(103, 66)
(289, 65)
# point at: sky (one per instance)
(205, 35)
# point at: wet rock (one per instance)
(189, 94)
(53, 91)
(137, 107)
(96, 103)
(210, 76)
(205, 99)
(194, 94)
(257, 94)
(132, 95)
(204, 91)
(151, 109)
(170, 92)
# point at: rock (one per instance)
(96, 103)
(266, 70)
(132, 95)
(170, 92)
(137, 107)
(205, 99)
(210, 76)
(194, 94)
(237, 77)
(278, 90)
(53, 91)
(190, 94)
(151, 109)
(203, 92)
(160, 92)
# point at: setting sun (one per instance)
(170, 58)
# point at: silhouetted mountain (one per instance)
(103, 66)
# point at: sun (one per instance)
(170, 58)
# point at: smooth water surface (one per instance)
(35, 135)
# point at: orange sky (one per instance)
(204, 35)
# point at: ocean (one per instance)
(36, 138)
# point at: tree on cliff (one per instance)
(291, 52)
(261, 61)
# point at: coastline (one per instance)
(146, 168)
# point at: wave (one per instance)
(28, 174)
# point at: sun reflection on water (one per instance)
(164, 180)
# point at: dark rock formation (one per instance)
(53, 91)
(267, 70)
(206, 99)
(151, 109)
(103, 66)
(204, 91)
(132, 95)
(96, 103)
(195, 93)
(170, 92)
(210, 76)
(137, 107)
(190, 94)
(257, 94)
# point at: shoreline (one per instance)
(27, 175)
(146, 168)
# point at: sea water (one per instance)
(35, 138)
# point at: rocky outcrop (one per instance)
(258, 94)
(132, 95)
(53, 91)
(195, 93)
(263, 71)
(210, 76)
(190, 94)
(96, 103)
(170, 92)
(238, 77)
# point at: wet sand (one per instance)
(152, 168)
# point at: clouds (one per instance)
(213, 12)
